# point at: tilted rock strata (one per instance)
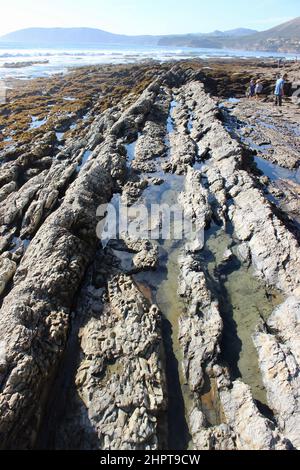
(119, 391)
(35, 313)
(274, 253)
(119, 379)
(278, 351)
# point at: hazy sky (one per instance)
(147, 16)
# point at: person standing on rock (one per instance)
(279, 90)
(251, 89)
(258, 89)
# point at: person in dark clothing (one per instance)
(252, 89)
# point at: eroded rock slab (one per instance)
(120, 385)
(278, 350)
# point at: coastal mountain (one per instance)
(208, 40)
(238, 32)
(282, 38)
(286, 30)
(92, 35)
(74, 36)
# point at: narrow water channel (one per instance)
(85, 157)
(275, 172)
(162, 284)
(279, 177)
(244, 302)
(272, 170)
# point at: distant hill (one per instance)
(91, 35)
(290, 29)
(239, 32)
(190, 40)
(208, 40)
(74, 36)
(282, 38)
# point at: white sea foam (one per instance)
(60, 59)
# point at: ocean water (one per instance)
(59, 58)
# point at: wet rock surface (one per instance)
(97, 351)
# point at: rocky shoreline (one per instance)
(96, 351)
